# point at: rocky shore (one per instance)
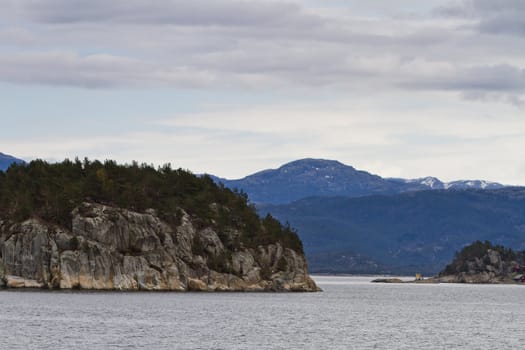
(110, 248)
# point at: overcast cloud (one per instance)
(411, 80)
(277, 44)
(493, 17)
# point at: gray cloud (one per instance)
(511, 23)
(503, 78)
(175, 12)
(262, 44)
(94, 71)
(493, 17)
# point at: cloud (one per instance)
(93, 71)
(505, 17)
(171, 12)
(497, 83)
(264, 44)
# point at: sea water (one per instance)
(351, 313)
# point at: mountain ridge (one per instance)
(320, 177)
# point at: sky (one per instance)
(404, 88)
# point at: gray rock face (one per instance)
(114, 249)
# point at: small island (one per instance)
(483, 262)
(104, 226)
(479, 262)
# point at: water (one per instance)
(351, 314)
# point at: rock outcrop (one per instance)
(480, 263)
(110, 248)
(483, 263)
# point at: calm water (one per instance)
(351, 314)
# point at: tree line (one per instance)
(50, 191)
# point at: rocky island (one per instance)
(103, 226)
(483, 262)
(479, 262)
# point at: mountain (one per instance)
(7, 160)
(352, 221)
(309, 177)
(318, 177)
(408, 232)
(93, 225)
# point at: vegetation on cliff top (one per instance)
(52, 191)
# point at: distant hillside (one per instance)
(318, 177)
(409, 232)
(7, 160)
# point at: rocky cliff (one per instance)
(109, 248)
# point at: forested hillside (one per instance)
(51, 191)
(409, 232)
